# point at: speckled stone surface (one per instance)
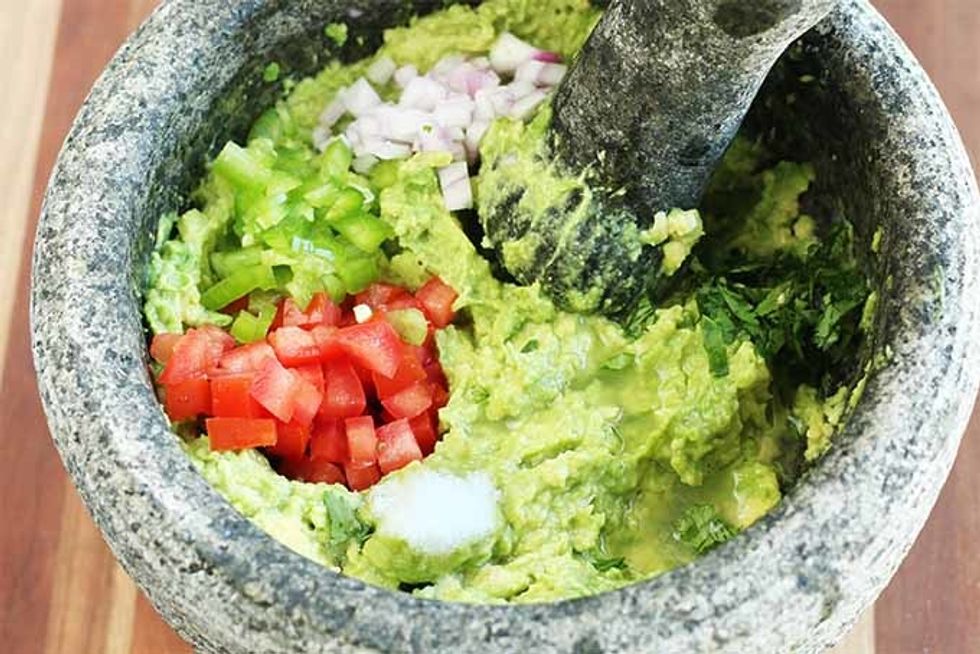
(888, 156)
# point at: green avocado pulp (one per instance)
(617, 450)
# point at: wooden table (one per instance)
(60, 588)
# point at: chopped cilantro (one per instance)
(336, 32)
(271, 72)
(344, 525)
(805, 312)
(702, 529)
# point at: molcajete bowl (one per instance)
(850, 98)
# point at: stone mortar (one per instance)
(888, 156)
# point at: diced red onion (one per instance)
(457, 191)
(524, 107)
(423, 93)
(360, 97)
(509, 52)
(332, 113)
(457, 111)
(520, 89)
(475, 134)
(364, 163)
(405, 74)
(552, 74)
(548, 57)
(529, 71)
(386, 150)
(446, 65)
(380, 71)
(401, 124)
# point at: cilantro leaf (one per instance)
(702, 529)
(344, 526)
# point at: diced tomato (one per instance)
(397, 446)
(187, 400)
(247, 358)
(329, 441)
(292, 315)
(322, 311)
(306, 401)
(409, 371)
(230, 397)
(326, 341)
(220, 340)
(313, 472)
(241, 304)
(292, 441)
(437, 300)
(362, 444)
(402, 302)
(409, 402)
(277, 321)
(343, 395)
(294, 346)
(313, 374)
(162, 347)
(374, 345)
(440, 396)
(380, 295)
(361, 476)
(190, 359)
(240, 433)
(426, 432)
(274, 388)
(367, 380)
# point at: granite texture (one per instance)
(888, 157)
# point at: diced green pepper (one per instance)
(366, 232)
(237, 285)
(249, 328)
(226, 263)
(349, 202)
(385, 174)
(337, 158)
(358, 272)
(240, 167)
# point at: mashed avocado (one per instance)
(599, 453)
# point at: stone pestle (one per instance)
(647, 110)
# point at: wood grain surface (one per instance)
(60, 589)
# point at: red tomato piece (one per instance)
(294, 346)
(343, 395)
(322, 311)
(440, 396)
(426, 432)
(240, 433)
(374, 345)
(274, 388)
(380, 295)
(329, 442)
(325, 339)
(187, 400)
(230, 398)
(306, 401)
(162, 347)
(409, 402)
(241, 304)
(312, 472)
(409, 371)
(361, 476)
(397, 446)
(367, 380)
(220, 340)
(247, 358)
(292, 315)
(190, 359)
(362, 444)
(292, 441)
(437, 299)
(313, 374)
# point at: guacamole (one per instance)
(579, 454)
